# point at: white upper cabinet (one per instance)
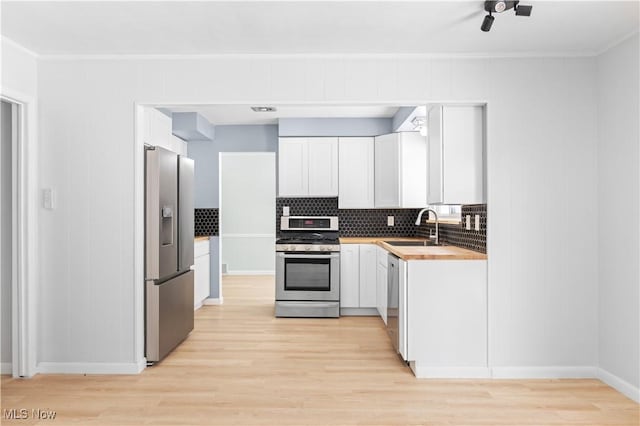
(293, 168)
(308, 167)
(401, 170)
(323, 167)
(356, 166)
(456, 155)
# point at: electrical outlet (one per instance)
(391, 221)
(285, 210)
(477, 224)
(467, 221)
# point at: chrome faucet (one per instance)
(420, 218)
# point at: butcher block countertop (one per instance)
(201, 239)
(418, 252)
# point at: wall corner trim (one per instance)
(622, 386)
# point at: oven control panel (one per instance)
(302, 248)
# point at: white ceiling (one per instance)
(242, 114)
(322, 27)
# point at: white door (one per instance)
(355, 170)
(293, 169)
(323, 167)
(247, 206)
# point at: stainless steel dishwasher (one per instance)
(393, 297)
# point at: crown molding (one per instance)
(18, 46)
(616, 42)
(344, 56)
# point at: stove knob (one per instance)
(326, 248)
(308, 248)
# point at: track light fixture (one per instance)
(499, 7)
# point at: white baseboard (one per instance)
(91, 367)
(250, 273)
(425, 372)
(213, 301)
(198, 306)
(5, 368)
(619, 384)
(550, 372)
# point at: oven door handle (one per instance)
(308, 256)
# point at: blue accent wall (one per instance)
(205, 154)
(303, 127)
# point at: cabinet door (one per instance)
(368, 289)
(434, 193)
(323, 167)
(355, 171)
(463, 154)
(293, 169)
(387, 183)
(201, 279)
(413, 170)
(349, 276)
(381, 291)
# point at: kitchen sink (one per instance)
(411, 243)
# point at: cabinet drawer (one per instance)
(201, 248)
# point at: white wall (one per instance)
(247, 211)
(542, 169)
(19, 69)
(619, 213)
(5, 236)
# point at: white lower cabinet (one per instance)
(381, 291)
(368, 288)
(358, 276)
(350, 276)
(446, 318)
(381, 282)
(201, 272)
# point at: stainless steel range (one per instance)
(308, 267)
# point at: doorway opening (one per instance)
(8, 130)
(247, 206)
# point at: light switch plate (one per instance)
(285, 210)
(391, 221)
(477, 224)
(49, 199)
(468, 222)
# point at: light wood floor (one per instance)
(243, 366)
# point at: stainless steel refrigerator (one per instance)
(168, 251)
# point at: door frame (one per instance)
(24, 235)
